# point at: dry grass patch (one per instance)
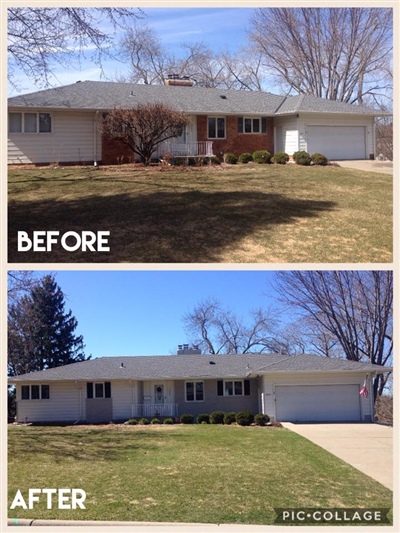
(244, 213)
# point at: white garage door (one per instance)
(317, 403)
(337, 142)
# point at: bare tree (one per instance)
(219, 331)
(40, 38)
(335, 53)
(144, 127)
(19, 283)
(354, 307)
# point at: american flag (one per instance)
(364, 390)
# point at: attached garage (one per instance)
(337, 142)
(318, 403)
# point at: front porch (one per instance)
(187, 149)
(154, 410)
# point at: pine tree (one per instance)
(40, 331)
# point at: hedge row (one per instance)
(281, 158)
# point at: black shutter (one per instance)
(240, 124)
(107, 389)
(247, 387)
(89, 389)
(220, 388)
(263, 124)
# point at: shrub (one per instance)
(319, 159)
(187, 419)
(281, 158)
(231, 159)
(132, 422)
(261, 419)
(229, 418)
(302, 158)
(244, 418)
(245, 158)
(168, 421)
(204, 418)
(155, 421)
(144, 422)
(262, 157)
(217, 417)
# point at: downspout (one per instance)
(95, 139)
(80, 404)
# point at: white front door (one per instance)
(159, 394)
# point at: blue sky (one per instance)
(221, 28)
(140, 312)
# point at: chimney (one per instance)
(174, 79)
(185, 349)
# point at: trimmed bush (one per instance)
(217, 417)
(231, 159)
(244, 418)
(204, 418)
(261, 419)
(319, 159)
(168, 421)
(230, 418)
(132, 422)
(302, 158)
(155, 421)
(245, 158)
(262, 157)
(280, 158)
(144, 422)
(187, 419)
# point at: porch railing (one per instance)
(155, 409)
(189, 149)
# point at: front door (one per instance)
(159, 394)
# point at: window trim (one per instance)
(216, 117)
(40, 385)
(194, 391)
(22, 122)
(261, 119)
(95, 397)
(233, 381)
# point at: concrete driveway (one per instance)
(367, 447)
(383, 167)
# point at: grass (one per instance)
(200, 473)
(229, 214)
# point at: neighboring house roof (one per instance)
(98, 95)
(194, 367)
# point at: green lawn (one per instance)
(230, 214)
(200, 473)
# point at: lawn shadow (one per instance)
(164, 227)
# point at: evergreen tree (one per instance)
(40, 331)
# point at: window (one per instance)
(252, 125)
(216, 127)
(194, 391)
(98, 390)
(29, 123)
(233, 387)
(35, 392)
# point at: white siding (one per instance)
(287, 134)
(72, 140)
(66, 404)
(123, 395)
(332, 120)
(270, 382)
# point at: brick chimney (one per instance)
(174, 79)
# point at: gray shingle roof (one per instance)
(193, 367)
(99, 95)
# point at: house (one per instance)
(287, 388)
(61, 125)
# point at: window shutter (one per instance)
(247, 387)
(240, 124)
(220, 388)
(263, 124)
(107, 389)
(89, 389)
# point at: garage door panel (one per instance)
(317, 403)
(337, 142)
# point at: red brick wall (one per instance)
(115, 152)
(235, 142)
